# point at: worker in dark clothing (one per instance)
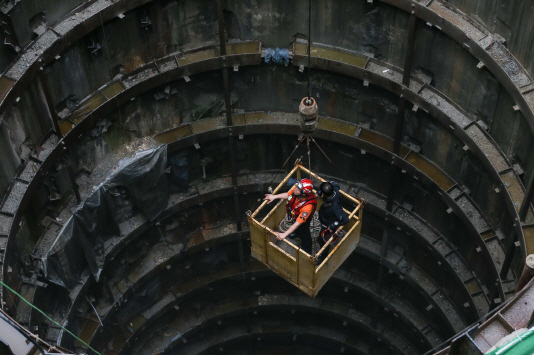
(301, 205)
(331, 215)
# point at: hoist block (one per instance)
(308, 112)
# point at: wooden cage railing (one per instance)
(288, 260)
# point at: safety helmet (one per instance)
(305, 186)
(327, 189)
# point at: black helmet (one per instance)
(327, 189)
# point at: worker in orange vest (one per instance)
(301, 205)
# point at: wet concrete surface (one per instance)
(442, 246)
(11, 204)
(481, 303)
(470, 210)
(518, 314)
(68, 24)
(509, 64)
(470, 28)
(29, 171)
(514, 187)
(139, 77)
(46, 148)
(372, 198)
(450, 110)
(497, 252)
(417, 224)
(46, 241)
(392, 74)
(459, 266)
(32, 54)
(455, 192)
(472, 286)
(451, 312)
(488, 148)
(491, 334)
(5, 224)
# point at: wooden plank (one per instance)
(337, 256)
(282, 262)
(275, 216)
(306, 271)
(348, 226)
(280, 185)
(257, 240)
(174, 134)
(353, 199)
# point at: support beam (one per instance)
(383, 255)
(229, 123)
(408, 62)
(381, 268)
(50, 105)
(399, 124)
(227, 103)
(510, 252)
(527, 200)
(220, 21)
(494, 293)
(72, 179)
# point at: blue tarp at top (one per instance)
(277, 55)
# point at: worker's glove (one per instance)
(333, 226)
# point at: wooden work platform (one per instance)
(288, 260)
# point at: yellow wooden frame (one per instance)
(292, 263)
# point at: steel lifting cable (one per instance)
(309, 50)
(331, 162)
(270, 184)
(30, 337)
(47, 317)
(309, 153)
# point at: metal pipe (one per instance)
(527, 274)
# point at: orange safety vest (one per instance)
(293, 207)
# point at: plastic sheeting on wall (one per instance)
(277, 56)
(80, 243)
(178, 172)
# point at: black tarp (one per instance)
(80, 243)
(178, 172)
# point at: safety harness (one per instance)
(327, 234)
(293, 207)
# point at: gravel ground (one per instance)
(416, 224)
(446, 107)
(32, 53)
(476, 218)
(487, 147)
(12, 203)
(459, 266)
(29, 171)
(5, 224)
(458, 19)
